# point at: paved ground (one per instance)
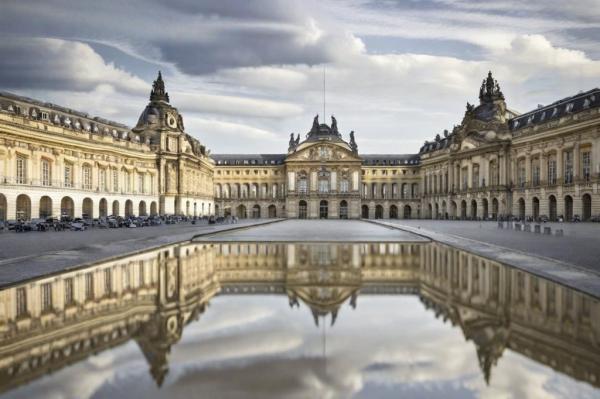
(319, 231)
(31, 254)
(579, 246)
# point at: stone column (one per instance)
(528, 169)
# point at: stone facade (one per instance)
(496, 162)
(58, 162)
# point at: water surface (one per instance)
(299, 320)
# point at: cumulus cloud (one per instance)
(46, 63)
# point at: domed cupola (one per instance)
(158, 115)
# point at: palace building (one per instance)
(55, 161)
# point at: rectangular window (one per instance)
(303, 186)
(586, 165)
(344, 186)
(551, 171)
(521, 176)
(87, 178)
(21, 302)
(535, 172)
(115, 180)
(46, 177)
(21, 170)
(46, 297)
(89, 286)
(465, 178)
(68, 175)
(128, 182)
(475, 182)
(494, 181)
(107, 281)
(102, 179)
(568, 155)
(69, 292)
(142, 277)
(323, 186)
(140, 182)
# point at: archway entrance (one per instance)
(552, 208)
(521, 209)
(2, 207)
(393, 212)
(535, 205)
(586, 207)
(495, 208)
(302, 210)
(103, 208)
(473, 210)
(485, 213)
(153, 208)
(23, 207)
(142, 209)
(343, 210)
(128, 208)
(115, 208)
(463, 209)
(241, 212)
(88, 208)
(45, 207)
(272, 211)
(379, 212)
(67, 208)
(323, 209)
(568, 208)
(256, 211)
(407, 212)
(364, 212)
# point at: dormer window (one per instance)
(56, 119)
(44, 116)
(87, 127)
(95, 129)
(515, 124)
(77, 125)
(34, 113)
(586, 103)
(67, 122)
(530, 119)
(10, 108)
(543, 116)
(569, 107)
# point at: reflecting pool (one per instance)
(298, 320)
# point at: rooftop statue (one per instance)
(353, 144)
(490, 90)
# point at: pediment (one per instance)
(323, 152)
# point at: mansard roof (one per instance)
(567, 106)
(248, 159)
(64, 117)
(390, 159)
(54, 107)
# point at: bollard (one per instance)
(547, 230)
(537, 229)
(527, 227)
(559, 232)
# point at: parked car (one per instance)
(39, 224)
(78, 225)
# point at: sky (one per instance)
(246, 74)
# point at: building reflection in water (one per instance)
(49, 323)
